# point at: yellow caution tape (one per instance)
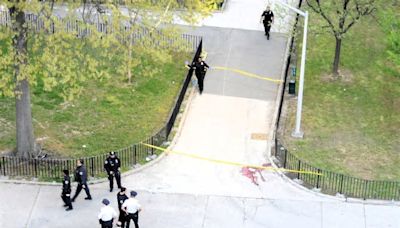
(231, 162)
(246, 74)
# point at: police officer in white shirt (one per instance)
(107, 215)
(132, 208)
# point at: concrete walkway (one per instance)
(181, 191)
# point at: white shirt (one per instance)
(107, 213)
(132, 205)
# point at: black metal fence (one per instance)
(51, 169)
(332, 183)
(329, 182)
(81, 29)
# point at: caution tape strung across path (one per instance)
(246, 74)
(231, 162)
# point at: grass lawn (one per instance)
(108, 115)
(351, 125)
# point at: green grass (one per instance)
(352, 124)
(108, 115)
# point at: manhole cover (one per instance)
(259, 136)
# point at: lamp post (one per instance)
(297, 133)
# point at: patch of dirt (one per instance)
(345, 76)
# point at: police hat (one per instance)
(66, 172)
(133, 193)
(106, 201)
(112, 153)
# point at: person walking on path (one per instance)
(66, 191)
(267, 18)
(81, 178)
(132, 208)
(121, 198)
(107, 215)
(200, 68)
(112, 165)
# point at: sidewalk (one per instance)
(185, 192)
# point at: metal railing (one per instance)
(80, 29)
(328, 182)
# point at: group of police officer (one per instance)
(112, 166)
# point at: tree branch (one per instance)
(318, 9)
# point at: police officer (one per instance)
(132, 208)
(267, 18)
(200, 68)
(121, 197)
(107, 215)
(112, 165)
(66, 191)
(81, 178)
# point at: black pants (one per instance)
(122, 218)
(200, 81)
(66, 199)
(117, 178)
(108, 224)
(79, 189)
(134, 217)
(267, 28)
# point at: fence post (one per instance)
(152, 143)
(365, 189)
(318, 177)
(298, 168)
(92, 166)
(4, 165)
(341, 184)
(134, 155)
(285, 158)
(35, 166)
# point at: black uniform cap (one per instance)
(112, 153)
(106, 201)
(133, 193)
(66, 172)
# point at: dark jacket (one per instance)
(199, 67)
(66, 189)
(268, 16)
(121, 199)
(112, 164)
(81, 174)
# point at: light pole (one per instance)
(297, 133)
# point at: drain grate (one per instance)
(259, 136)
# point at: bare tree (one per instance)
(341, 15)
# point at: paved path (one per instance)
(183, 192)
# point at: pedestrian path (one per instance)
(180, 191)
(239, 14)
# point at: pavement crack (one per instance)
(244, 212)
(365, 217)
(205, 212)
(33, 207)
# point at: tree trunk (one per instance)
(24, 127)
(336, 61)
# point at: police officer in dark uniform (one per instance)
(267, 18)
(112, 165)
(66, 191)
(200, 68)
(121, 197)
(81, 178)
